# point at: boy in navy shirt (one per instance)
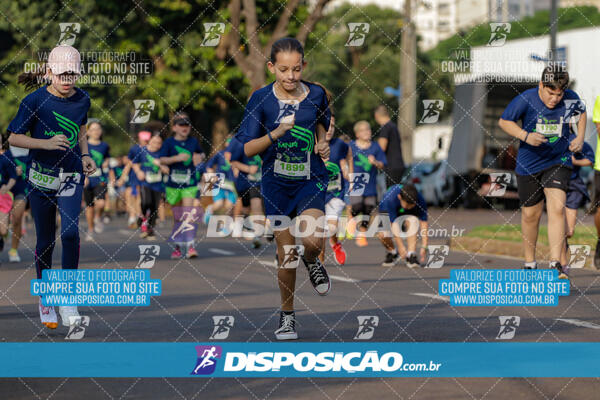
(398, 201)
(544, 159)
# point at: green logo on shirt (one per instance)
(71, 129)
(363, 161)
(186, 151)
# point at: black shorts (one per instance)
(596, 198)
(249, 194)
(94, 193)
(393, 176)
(531, 187)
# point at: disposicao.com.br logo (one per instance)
(326, 363)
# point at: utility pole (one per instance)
(553, 30)
(407, 103)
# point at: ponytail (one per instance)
(33, 80)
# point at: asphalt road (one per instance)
(231, 278)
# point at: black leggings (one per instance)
(150, 202)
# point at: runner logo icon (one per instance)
(508, 327)
(366, 326)
(207, 359)
(223, 324)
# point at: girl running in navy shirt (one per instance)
(285, 122)
(55, 116)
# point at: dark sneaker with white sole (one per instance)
(563, 271)
(318, 276)
(412, 261)
(287, 326)
(390, 259)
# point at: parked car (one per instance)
(431, 179)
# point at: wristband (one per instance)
(86, 154)
(526, 136)
(270, 137)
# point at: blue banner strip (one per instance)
(298, 359)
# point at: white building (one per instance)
(432, 141)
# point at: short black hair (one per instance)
(555, 76)
(382, 110)
(409, 193)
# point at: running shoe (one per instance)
(144, 225)
(391, 259)
(597, 255)
(151, 236)
(144, 234)
(192, 253)
(339, 253)
(412, 261)
(563, 271)
(1, 243)
(69, 314)
(287, 326)
(98, 226)
(318, 276)
(532, 265)
(132, 223)
(361, 241)
(106, 220)
(176, 254)
(89, 237)
(48, 316)
(13, 255)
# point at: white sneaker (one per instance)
(48, 316)
(66, 312)
(89, 237)
(13, 256)
(98, 226)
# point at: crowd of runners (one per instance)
(284, 160)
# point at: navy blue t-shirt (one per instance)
(153, 176)
(219, 163)
(182, 174)
(133, 156)
(338, 150)
(392, 206)
(244, 181)
(360, 157)
(21, 158)
(45, 115)
(99, 153)
(586, 153)
(528, 108)
(7, 168)
(291, 159)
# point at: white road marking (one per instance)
(221, 251)
(578, 322)
(332, 277)
(432, 296)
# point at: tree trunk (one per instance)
(220, 128)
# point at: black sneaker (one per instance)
(563, 272)
(390, 259)
(412, 261)
(597, 255)
(318, 276)
(287, 326)
(1, 243)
